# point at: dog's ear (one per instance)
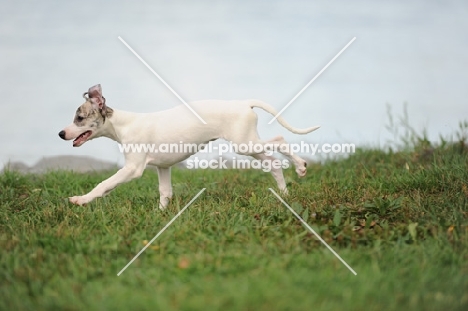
(95, 92)
(96, 98)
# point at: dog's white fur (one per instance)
(233, 121)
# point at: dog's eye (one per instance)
(79, 118)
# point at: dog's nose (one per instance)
(62, 134)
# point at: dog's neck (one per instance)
(116, 123)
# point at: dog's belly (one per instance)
(167, 160)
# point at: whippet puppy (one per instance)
(234, 121)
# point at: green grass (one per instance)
(399, 219)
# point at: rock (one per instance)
(80, 164)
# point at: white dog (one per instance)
(234, 121)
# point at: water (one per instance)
(405, 52)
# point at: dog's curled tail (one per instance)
(286, 125)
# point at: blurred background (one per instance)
(413, 52)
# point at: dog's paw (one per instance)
(78, 200)
(301, 170)
(284, 192)
(163, 203)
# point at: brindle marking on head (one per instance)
(87, 114)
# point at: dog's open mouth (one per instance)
(80, 140)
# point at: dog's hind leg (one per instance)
(284, 148)
(276, 144)
(244, 131)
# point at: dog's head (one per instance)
(89, 118)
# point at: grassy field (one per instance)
(399, 219)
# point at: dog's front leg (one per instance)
(165, 187)
(125, 174)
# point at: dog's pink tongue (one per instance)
(81, 139)
(77, 141)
